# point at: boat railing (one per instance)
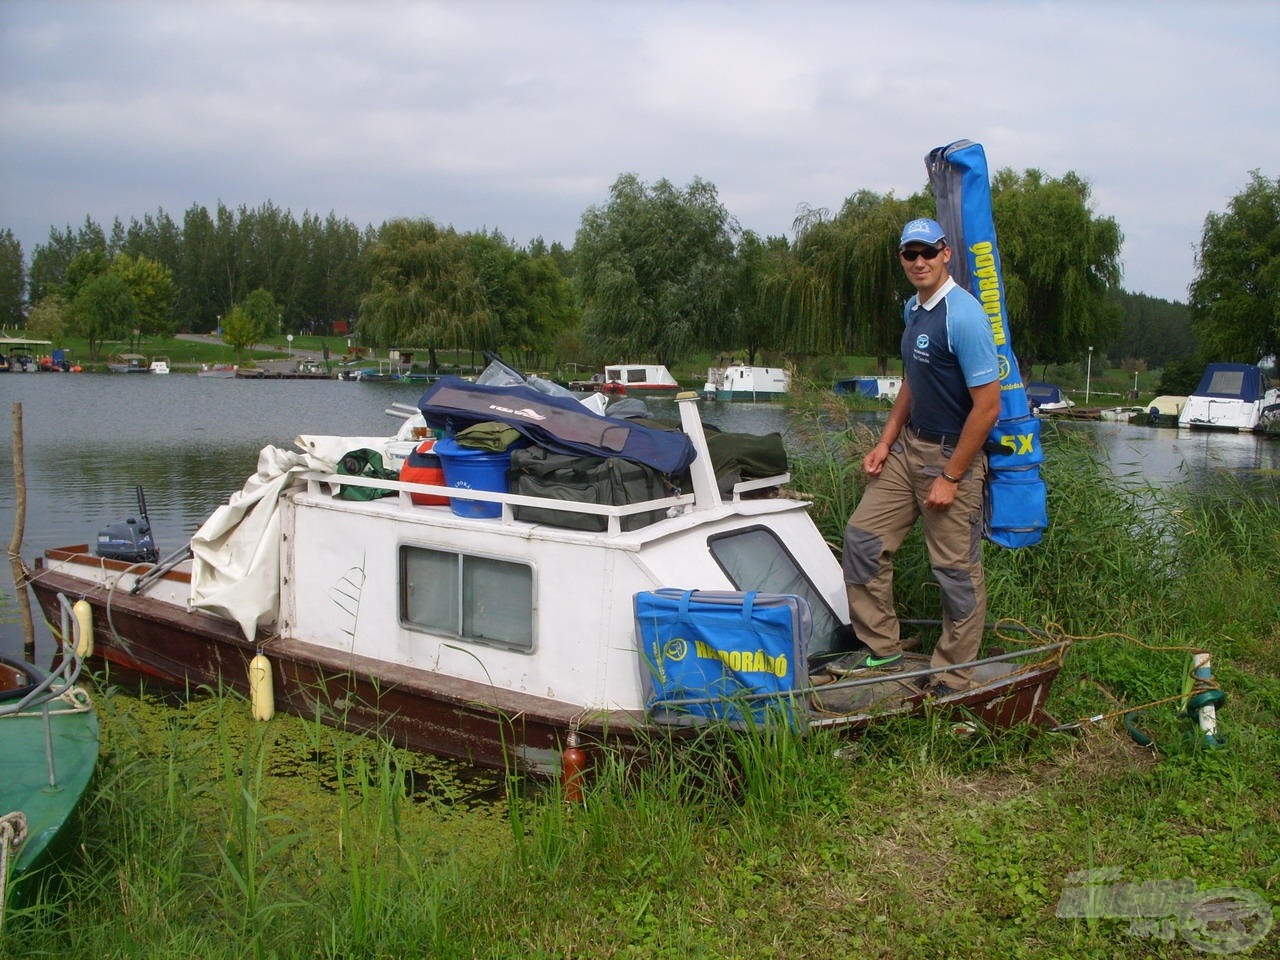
(705, 494)
(674, 505)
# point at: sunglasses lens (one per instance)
(928, 253)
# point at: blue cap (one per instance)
(926, 231)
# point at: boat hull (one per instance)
(484, 725)
(49, 814)
(413, 708)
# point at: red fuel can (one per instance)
(423, 466)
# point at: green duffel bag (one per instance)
(365, 463)
(537, 472)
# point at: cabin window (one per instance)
(755, 559)
(481, 599)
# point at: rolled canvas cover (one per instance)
(1017, 501)
(736, 654)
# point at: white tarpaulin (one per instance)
(235, 572)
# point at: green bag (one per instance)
(537, 472)
(365, 463)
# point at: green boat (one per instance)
(49, 729)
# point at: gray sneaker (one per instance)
(863, 661)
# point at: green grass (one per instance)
(209, 835)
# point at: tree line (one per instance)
(655, 272)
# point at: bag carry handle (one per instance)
(748, 601)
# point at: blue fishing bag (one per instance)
(718, 655)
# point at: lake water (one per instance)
(91, 440)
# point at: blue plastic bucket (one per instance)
(471, 469)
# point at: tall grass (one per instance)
(207, 835)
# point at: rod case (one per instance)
(1016, 503)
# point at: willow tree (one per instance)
(423, 290)
(846, 288)
(654, 269)
(1235, 296)
(1059, 262)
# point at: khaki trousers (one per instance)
(888, 510)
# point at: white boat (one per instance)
(1045, 398)
(217, 371)
(460, 628)
(738, 382)
(1231, 396)
(638, 378)
(876, 388)
(160, 365)
(1120, 414)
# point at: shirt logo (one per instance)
(922, 342)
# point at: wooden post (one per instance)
(15, 543)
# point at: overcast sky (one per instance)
(519, 116)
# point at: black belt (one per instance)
(928, 437)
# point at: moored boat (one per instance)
(1162, 411)
(159, 365)
(128, 363)
(737, 382)
(49, 732)
(1047, 400)
(217, 371)
(643, 379)
(875, 388)
(1232, 397)
(501, 621)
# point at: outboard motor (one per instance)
(129, 540)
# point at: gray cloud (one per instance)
(517, 116)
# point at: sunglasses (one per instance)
(928, 253)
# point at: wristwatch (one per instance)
(949, 478)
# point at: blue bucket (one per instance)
(471, 469)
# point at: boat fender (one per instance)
(84, 628)
(262, 699)
(573, 764)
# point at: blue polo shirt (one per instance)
(947, 347)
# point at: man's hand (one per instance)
(941, 494)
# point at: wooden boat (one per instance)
(49, 732)
(492, 634)
(1233, 397)
(128, 363)
(737, 382)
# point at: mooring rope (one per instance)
(1198, 686)
(13, 833)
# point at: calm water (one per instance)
(90, 440)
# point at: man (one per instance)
(929, 463)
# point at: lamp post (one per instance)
(1088, 376)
